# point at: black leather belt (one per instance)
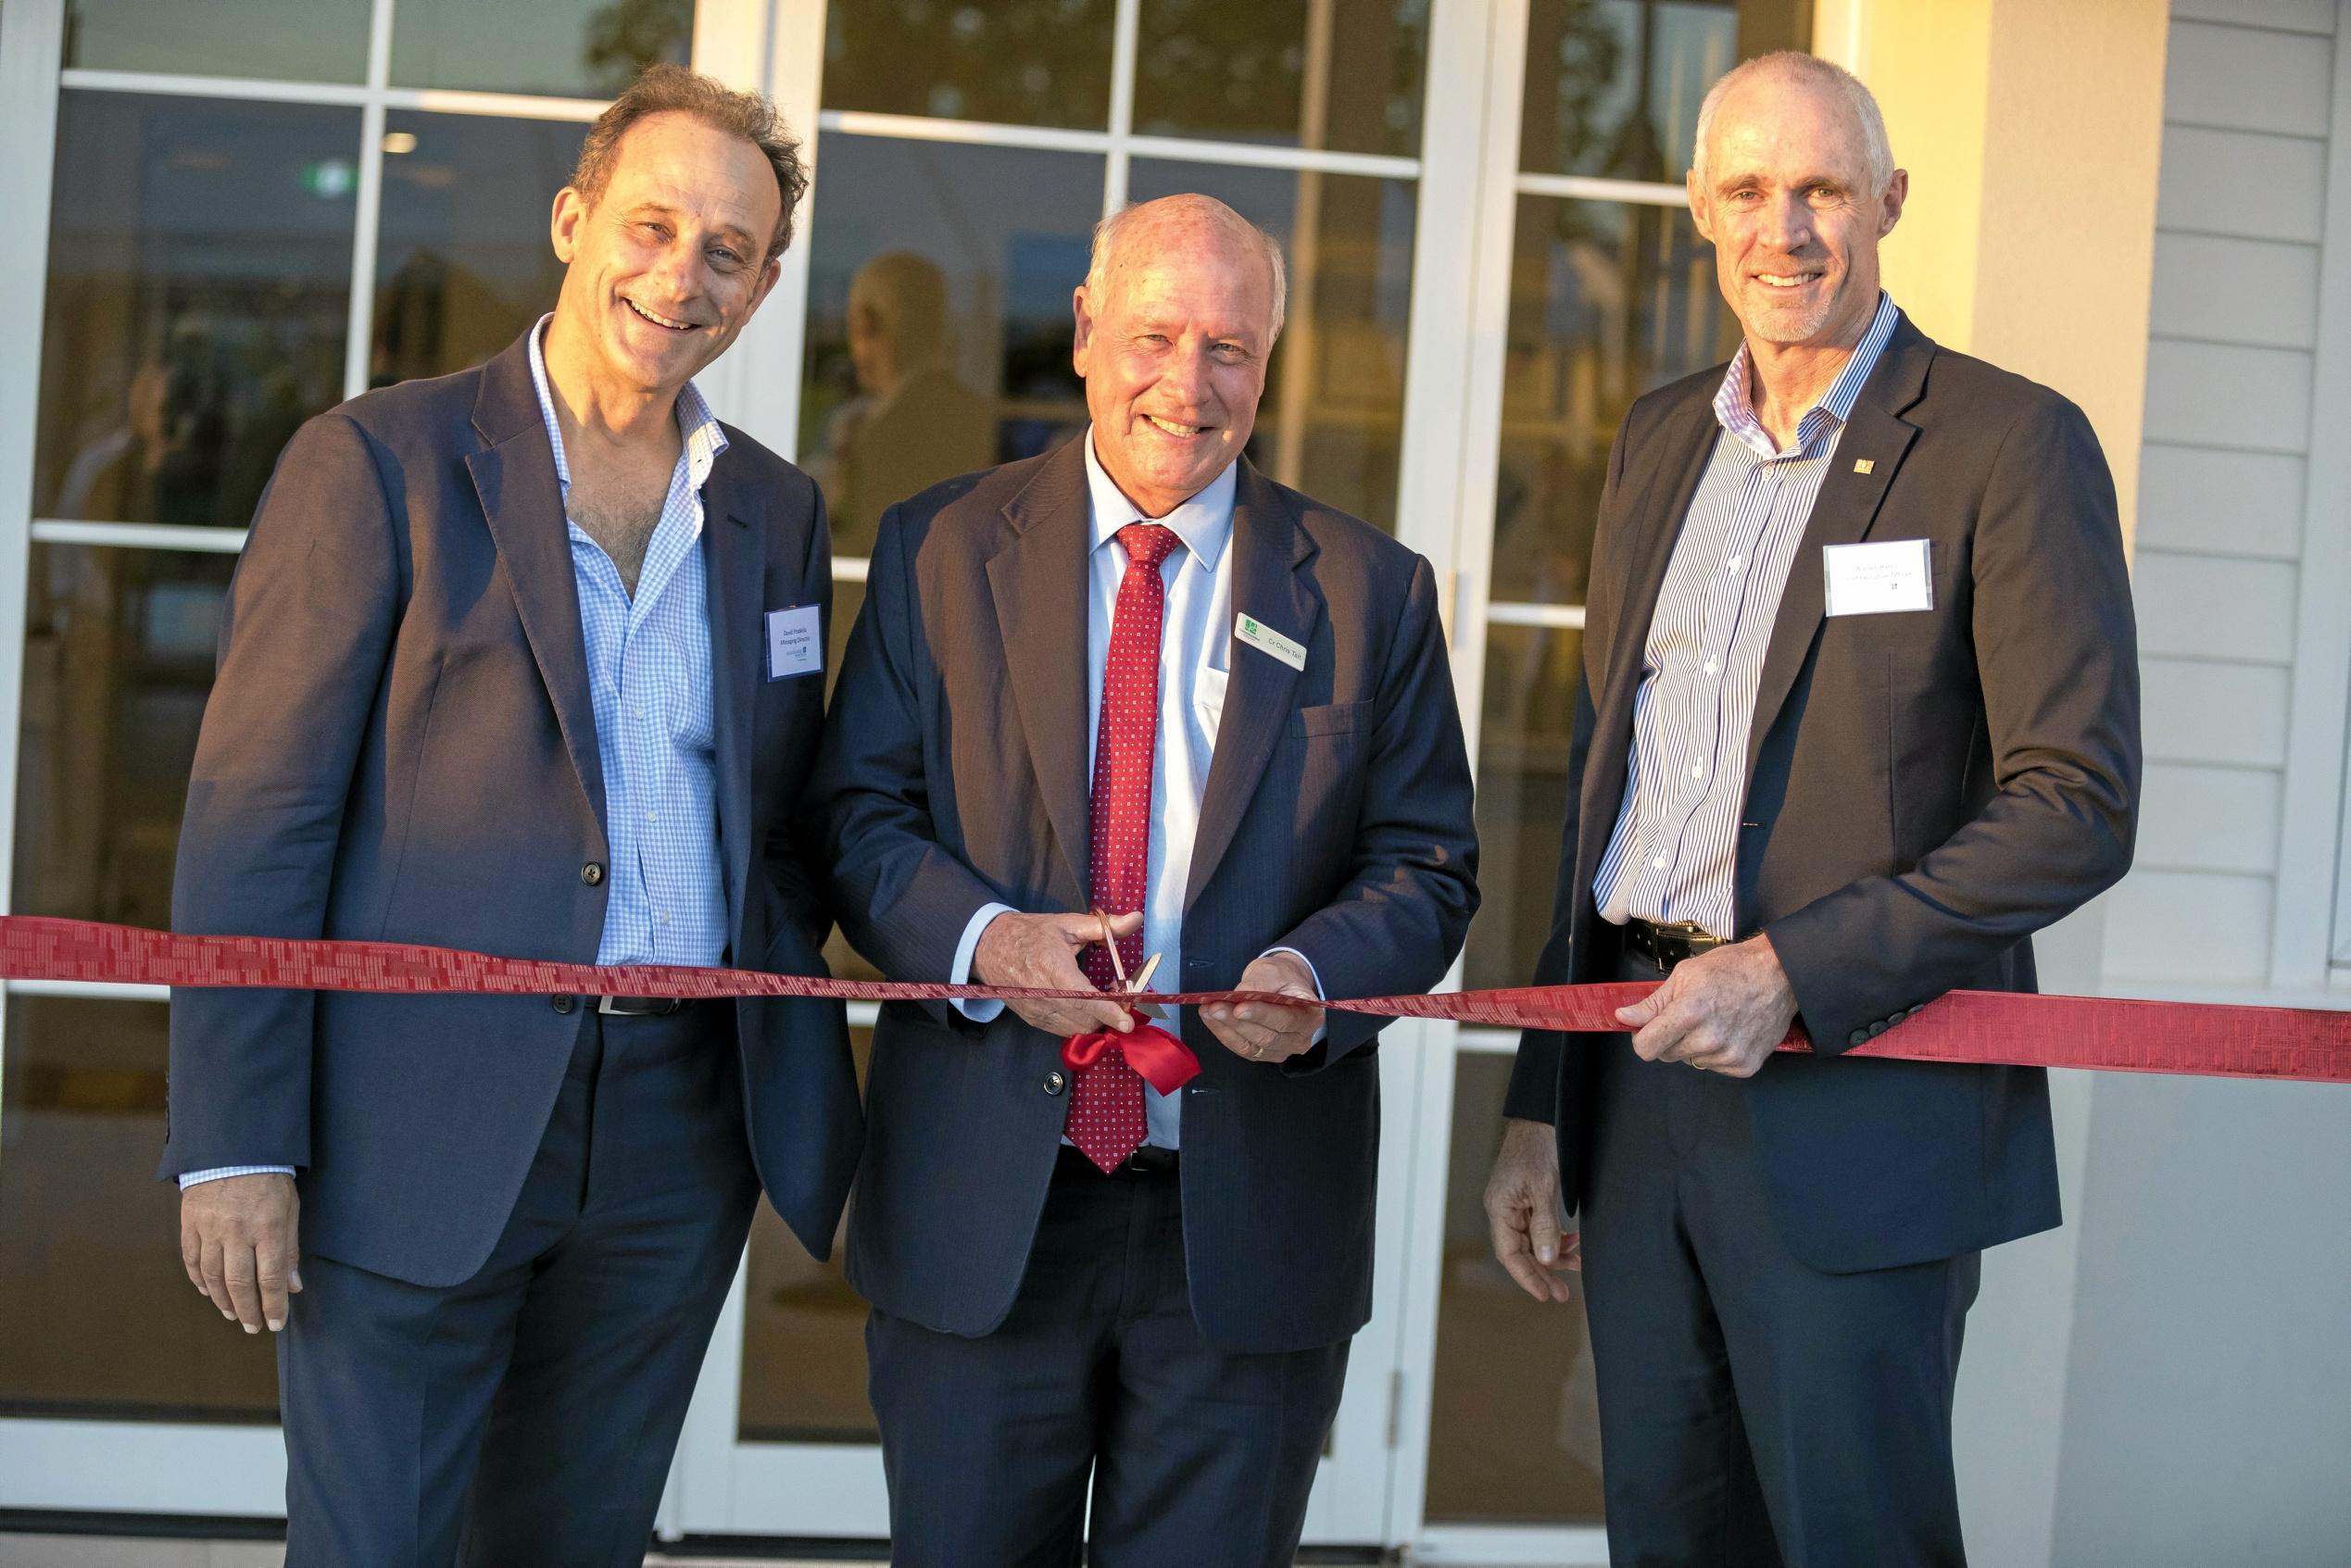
(642, 1007)
(1666, 946)
(1149, 1161)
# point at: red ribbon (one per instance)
(1165, 1062)
(1966, 1026)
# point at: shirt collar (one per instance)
(1204, 523)
(705, 438)
(1737, 414)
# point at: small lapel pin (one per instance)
(1863, 465)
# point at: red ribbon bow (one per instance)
(1165, 1062)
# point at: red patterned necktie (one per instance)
(1106, 1101)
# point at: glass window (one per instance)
(1522, 797)
(1288, 75)
(1332, 421)
(463, 261)
(1613, 86)
(938, 315)
(803, 1334)
(97, 1319)
(558, 48)
(1016, 62)
(199, 285)
(283, 39)
(1607, 301)
(117, 662)
(1514, 1421)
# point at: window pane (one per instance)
(1613, 86)
(559, 49)
(1607, 301)
(283, 39)
(1332, 421)
(803, 1334)
(96, 1319)
(938, 315)
(1016, 62)
(199, 283)
(463, 262)
(117, 662)
(1522, 797)
(1513, 1434)
(1288, 74)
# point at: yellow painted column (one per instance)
(2033, 131)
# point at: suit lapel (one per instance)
(1841, 514)
(733, 566)
(1038, 582)
(1269, 551)
(522, 501)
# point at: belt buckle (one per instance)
(605, 1005)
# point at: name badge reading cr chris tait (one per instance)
(1264, 639)
(1879, 579)
(795, 642)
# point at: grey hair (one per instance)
(1107, 233)
(1877, 151)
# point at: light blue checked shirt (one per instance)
(1674, 855)
(649, 680)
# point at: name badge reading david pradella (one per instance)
(795, 642)
(1879, 579)
(1264, 639)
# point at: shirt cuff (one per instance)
(978, 1012)
(193, 1177)
(1320, 1030)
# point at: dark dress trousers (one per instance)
(1924, 791)
(401, 746)
(1180, 1332)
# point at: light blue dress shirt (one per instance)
(1195, 650)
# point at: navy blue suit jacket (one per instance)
(1336, 820)
(400, 746)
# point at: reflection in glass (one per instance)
(1331, 423)
(803, 1334)
(283, 40)
(118, 661)
(199, 281)
(463, 262)
(1522, 797)
(1514, 1421)
(96, 1319)
(558, 48)
(938, 315)
(1290, 75)
(1015, 62)
(1607, 301)
(1613, 86)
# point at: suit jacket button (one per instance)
(1056, 1081)
(561, 1003)
(1858, 1037)
(593, 873)
(1877, 1028)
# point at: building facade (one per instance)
(231, 214)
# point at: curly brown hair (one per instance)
(670, 89)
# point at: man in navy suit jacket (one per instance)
(516, 660)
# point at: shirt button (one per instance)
(1659, 862)
(1736, 562)
(1697, 770)
(593, 873)
(1712, 667)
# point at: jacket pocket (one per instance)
(1330, 719)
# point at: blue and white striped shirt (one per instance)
(1674, 854)
(649, 680)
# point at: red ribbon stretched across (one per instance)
(1165, 1062)
(1965, 1026)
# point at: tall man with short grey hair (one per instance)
(1134, 675)
(520, 661)
(1859, 713)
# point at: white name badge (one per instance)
(1264, 639)
(795, 642)
(1879, 579)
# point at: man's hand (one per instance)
(1522, 1204)
(1269, 1030)
(1722, 1011)
(237, 1243)
(1040, 952)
